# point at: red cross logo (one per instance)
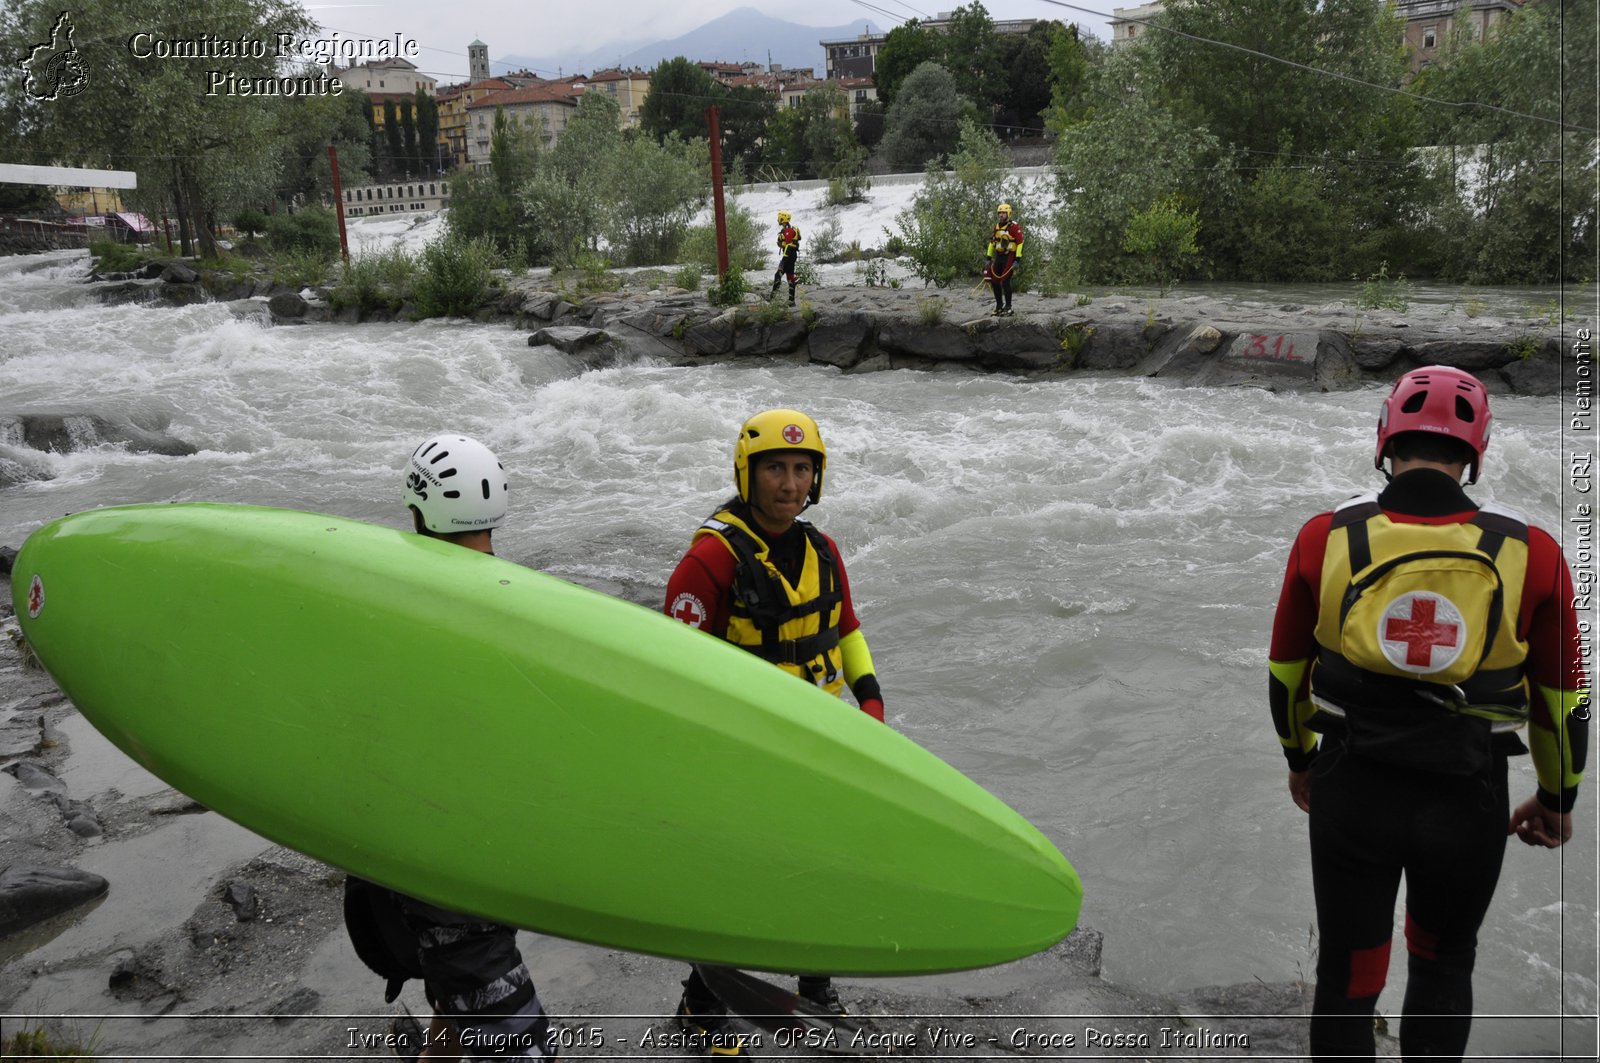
(1422, 630)
(793, 433)
(35, 597)
(689, 609)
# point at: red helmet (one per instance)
(1437, 398)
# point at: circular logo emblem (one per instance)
(1422, 632)
(689, 609)
(35, 597)
(793, 433)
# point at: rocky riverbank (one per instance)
(1196, 339)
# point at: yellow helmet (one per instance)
(1004, 208)
(783, 217)
(773, 430)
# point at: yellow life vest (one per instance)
(794, 627)
(1001, 243)
(1422, 614)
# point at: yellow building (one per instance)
(627, 87)
(453, 102)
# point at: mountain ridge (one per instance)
(742, 35)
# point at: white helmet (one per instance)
(457, 484)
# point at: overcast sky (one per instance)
(444, 28)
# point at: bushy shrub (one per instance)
(746, 249)
(314, 229)
(688, 278)
(949, 222)
(456, 277)
(730, 289)
(110, 256)
(302, 268)
(381, 280)
(250, 221)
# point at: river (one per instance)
(1068, 585)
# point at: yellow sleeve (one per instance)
(1559, 753)
(1291, 708)
(857, 658)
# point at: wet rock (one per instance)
(840, 340)
(1471, 355)
(178, 273)
(1539, 374)
(136, 976)
(1376, 354)
(301, 1001)
(85, 826)
(1079, 951)
(21, 736)
(30, 894)
(241, 897)
(570, 339)
(937, 342)
(66, 432)
(287, 307)
(1017, 345)
(711, 337)
(781, 338)
(8, 557)
(35, 779)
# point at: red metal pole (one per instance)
(716, 191)
(338, 203)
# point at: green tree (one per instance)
(950, 220)
(680, 92)
(925, 122)
(410, 148)
(427, 109)
(1163, 236)
(306, 128)
(394, 141)
(904, 48)
(653, 191)
(1133, 151)
(746, 111)
(1069, 79)
(201, 154)
(1519, 156)
(973, 56)
(1025, 90)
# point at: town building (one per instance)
(387, 81)
(453, 101)
(1431, 23)
(1127, 23)
(1428, 24)
(396, 197)
(627, 87)
(545, 108)
(857, 57)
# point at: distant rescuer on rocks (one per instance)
(1417, 632)
(1005, 248)
(482, 994)
(789, 249)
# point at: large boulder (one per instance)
(1012, 344)
(840, 339)
(30, 894)
(940, 343)
(65, 432)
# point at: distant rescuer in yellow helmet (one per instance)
(789, 248)
(1005, 249)
(763, 579)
